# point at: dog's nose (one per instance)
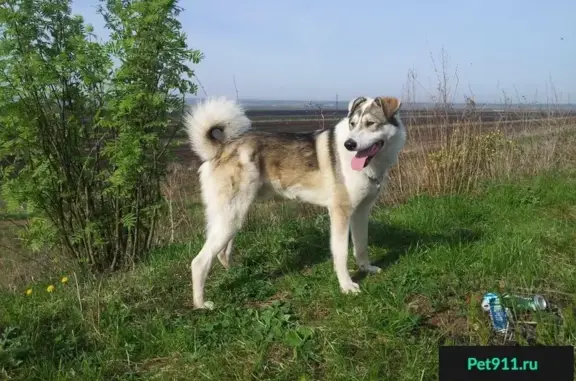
(350, 144)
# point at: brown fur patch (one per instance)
(333, 152)
(286, 159)
(389, 105)
(290, 159)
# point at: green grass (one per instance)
(279, 312)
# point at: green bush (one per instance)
(82, 139)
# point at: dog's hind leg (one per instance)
(359, 229)
(225, 256)
(226, 209)
(221, 229)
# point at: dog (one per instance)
(342, 168)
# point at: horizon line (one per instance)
(307, 101)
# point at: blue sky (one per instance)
(312, 50)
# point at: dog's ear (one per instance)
(354, 104)
(389, 105)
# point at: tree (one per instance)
(83, 141)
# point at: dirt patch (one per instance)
(420, 305)
(449, 321)
(316, 312)
(279, 296)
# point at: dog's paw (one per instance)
(370, 269)
(208, 305)
(350, 288)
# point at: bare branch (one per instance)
(235, 87)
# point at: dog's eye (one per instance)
(369, 123)
(352, 124)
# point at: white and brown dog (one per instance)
(342, 169)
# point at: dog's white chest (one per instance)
(360, 187)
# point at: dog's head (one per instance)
(372, 123)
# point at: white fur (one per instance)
(225, 215)
(208, 113)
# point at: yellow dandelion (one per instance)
(64, 280)
(50, 288)
(29, 291)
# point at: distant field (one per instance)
(425, 127)
(307, 120)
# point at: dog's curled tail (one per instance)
(212, 123)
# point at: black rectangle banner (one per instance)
(509, 363)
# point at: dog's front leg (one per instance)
(339, 229)
(359, 228)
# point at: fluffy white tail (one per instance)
(212, 123)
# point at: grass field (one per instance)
(280, 315)
(442, 233)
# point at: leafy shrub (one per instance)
(84, 142)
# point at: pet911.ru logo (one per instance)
(501, 363)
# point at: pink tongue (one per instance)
(358, 163)
(359, 160)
